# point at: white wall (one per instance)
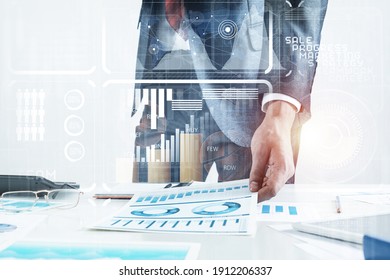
(81, 54)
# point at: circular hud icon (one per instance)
(227, 29)
(217, 208)
(155, 212)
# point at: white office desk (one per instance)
(71, 226)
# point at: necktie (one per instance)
(174, 12)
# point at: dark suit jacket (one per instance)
(296, 32)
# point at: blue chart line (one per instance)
(150, 224)
(156, 199)
(114, 223)
(125, 224)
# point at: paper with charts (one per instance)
(221, 208)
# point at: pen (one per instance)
(183, 184)
(338, 204)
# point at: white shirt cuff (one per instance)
(268, 97)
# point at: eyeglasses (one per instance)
(19, 201)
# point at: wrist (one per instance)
(282, 111)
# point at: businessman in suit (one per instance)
(274, 42)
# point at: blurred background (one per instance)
(67, 80)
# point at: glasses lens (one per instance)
(18, 201)
(63, 198)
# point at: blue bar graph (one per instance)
(290, 210)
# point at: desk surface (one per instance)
(71, 226)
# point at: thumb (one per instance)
(258, 171)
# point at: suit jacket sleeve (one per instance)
(296, 38)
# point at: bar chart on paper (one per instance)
(285, 212)
(228, 225)
(214, 209)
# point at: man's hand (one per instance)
(272, 155)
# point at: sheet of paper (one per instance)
(16, 226)
(372, 198)
(286, 212)
(321, 247)
(223, 208)
(91, 251)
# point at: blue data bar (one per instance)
(265, 209)
(114, 223)
(125, 224)
(292, 210)
(150, 224)
(278, 209)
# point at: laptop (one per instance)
(349, 229)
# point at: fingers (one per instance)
(279, 171)
(258, 170)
